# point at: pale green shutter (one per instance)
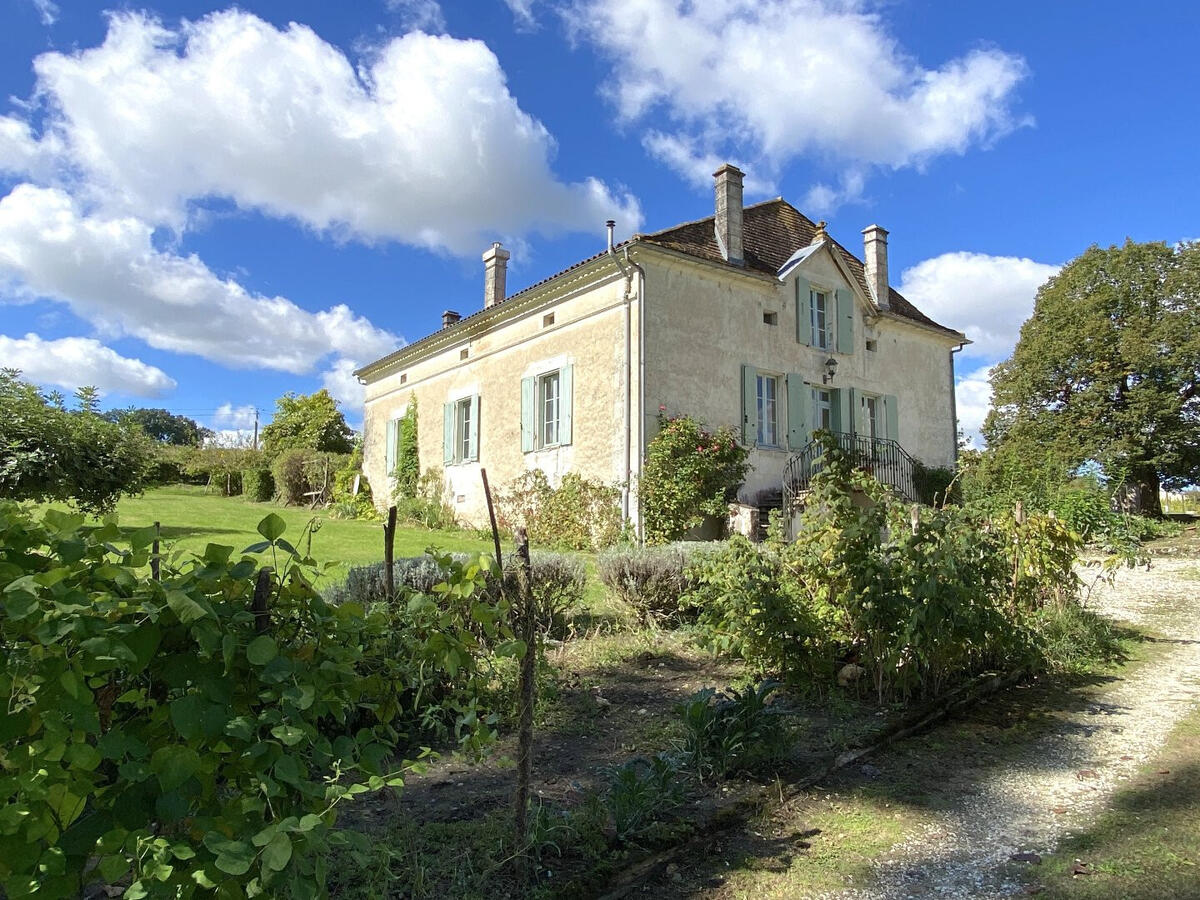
(803, 313)
(845, 320)
(891, 418)
(749, 405)
(447, 433)
(855, 410)
(840, 413)
(565, 378)
(799, 409)
(528, 413)
(389, 450)
(473, 432)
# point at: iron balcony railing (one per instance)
(885, 459)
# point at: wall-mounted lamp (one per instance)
(830, 370)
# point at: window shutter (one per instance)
(473, 450)
(749, 405)
(845, 320)
(565, 379)
(855, 402)
(447, 433)
(389, 450)
(803, 313)
(799, 406)
(840, 413)
(528, 413)
(891, 418)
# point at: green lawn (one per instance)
(191, 519)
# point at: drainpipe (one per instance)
(954, 405)
(610, 225)
(641, 428)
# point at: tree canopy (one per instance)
(1107, 369)
(307, 422)
(163, 426)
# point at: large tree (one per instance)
(165, 427)
(307, 422)
(1108, 370)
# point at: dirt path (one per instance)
(1058, 783)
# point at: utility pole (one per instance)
(256, 428)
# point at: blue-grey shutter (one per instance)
(799, 409)
(473, 434)
(845, 320)
(749, 405)
(855, 407)
(447, 433)
(840, 414)
(389, 450)
(565, 378)
(528, 413)
(891, 418)
(803, 313)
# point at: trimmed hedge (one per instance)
(258, 485)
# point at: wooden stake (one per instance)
(155, 565)
(527, 698)
(915, 516)
(262, 590)
(389, 540)
(487, 492)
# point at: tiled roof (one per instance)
(771, 232)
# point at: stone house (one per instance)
(753, 317)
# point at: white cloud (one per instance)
(72, 362)
(973, 399)
(231, 437)
(19, 150)
(986, 297)
(422, 143)
(421, 15)
(47, 11)
(522, 11)
(777, 80)
(339, 380)
(240, 417)
(108, 271)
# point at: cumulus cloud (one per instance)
(986, 297)
(420, 15)
(776, 80)
(339, 380)
(72, 362)
(230, 416)
(47, 11)
(522, 11)
(421, 143)
(973, 399)
(108, 272)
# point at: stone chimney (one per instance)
(875, 263)
(495, 271)
(450, 317)
(728, 220)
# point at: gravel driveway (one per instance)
(1062, 780)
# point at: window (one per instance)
(822, 330)
(463, 353)
(872, 345)
(547, 320)
(546, 409)
(871, 417)
(822, 409)
(770, 318)
(403, 377)
(461, 431)
(768, 410)
(549, 408)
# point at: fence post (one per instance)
(262, 590)
(527, 698)
(155, 566)
(915, 516)
(389, 539)
(487, 492)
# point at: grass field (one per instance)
(192, 519)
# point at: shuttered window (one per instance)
(460, 432)
(546, 409)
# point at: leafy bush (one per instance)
(307, 422)
(650, 579)
(346, 503)
(164, 735)
(408, 462)
(430, 506)
(218, 467)
(580, 514)
(258, 485)
(48, 453)
(689, 473)
(640, 792)
(735, 731)
(305, 477)
(936, 485)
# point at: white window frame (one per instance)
(462, 430)
(765, 415)
(548, 403)
(823, 337)
(872, 415)
(822, 409)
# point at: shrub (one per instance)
(408, 463)
(735, 731)
(650, 579)
(159, 735)
(430, 506)
(640, 792)
(346, 503)
(580, 514)
(258, 485)
(690, 473)
(936, 485)
(220, 468)
(305, 477)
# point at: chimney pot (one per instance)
(875, 264)
(449, 317)
(495, 271)
(728, 219)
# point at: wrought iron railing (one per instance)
(885, 459)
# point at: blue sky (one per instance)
(202, 207)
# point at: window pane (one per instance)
(464, 429)
(549, 409)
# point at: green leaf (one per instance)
(261, 650)
(174, 764)
(112, 868)
(289, 735)
(187, 609)
(511, 648)
(143, 537)
(278, 853)
(144, 643)
(258, 548)
(233, 857)
(272, 526)
(217, 553)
